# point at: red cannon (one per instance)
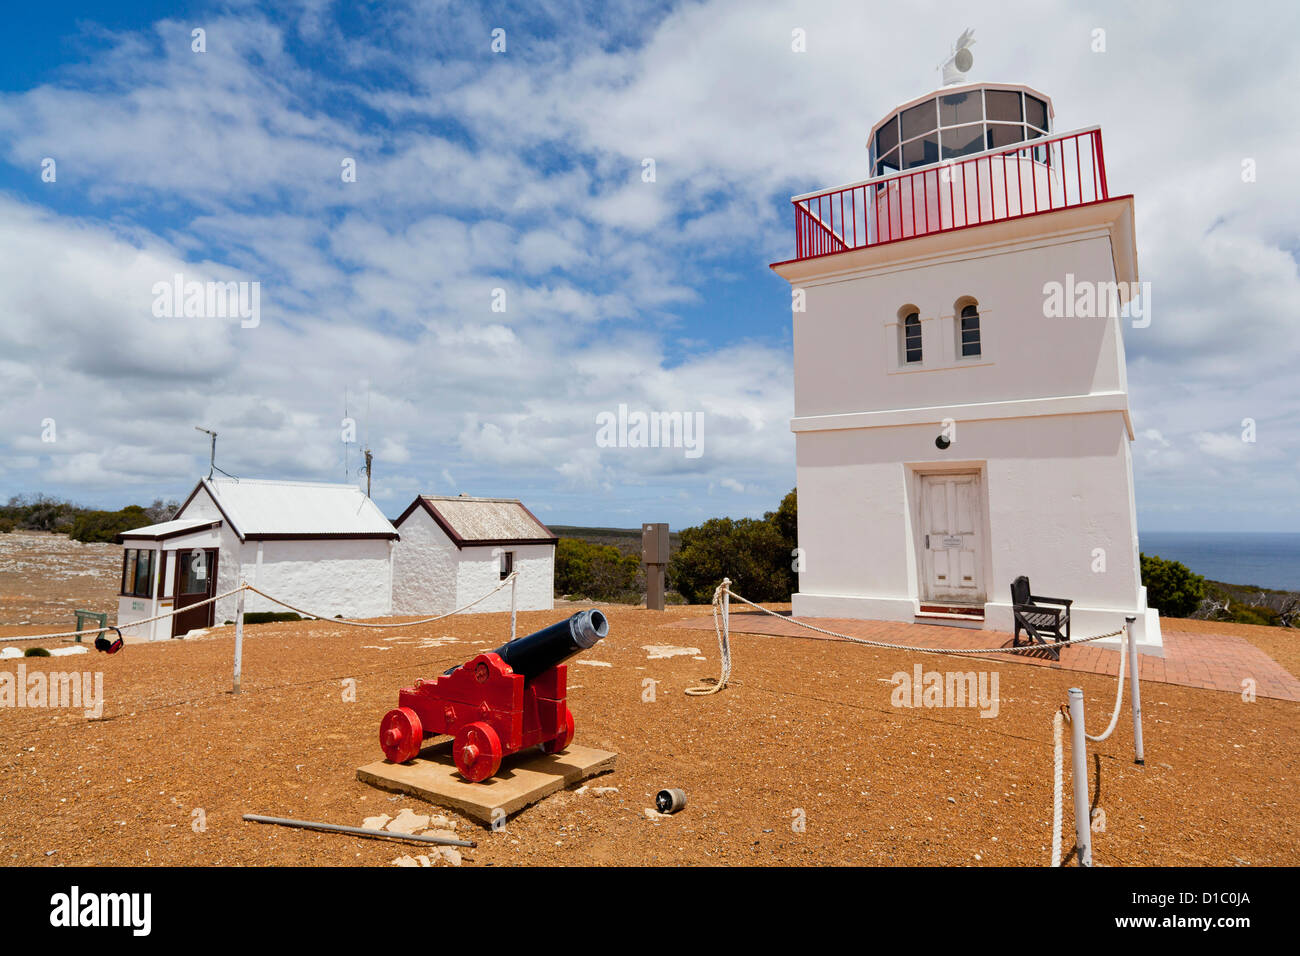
(499, 703)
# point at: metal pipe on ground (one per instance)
(358, 831)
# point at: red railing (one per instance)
(1037, 176)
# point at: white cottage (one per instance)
(961, 402)
(324, 547)
(455, 549)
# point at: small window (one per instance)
(507, 563)
(137, 573)
(970, 332)
(912, 339)
(128, 571)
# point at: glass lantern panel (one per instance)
(918, 120)
(963, 140)
(958, 108)
(1036, 112)
(1004, 106)
(887, 136)
(921, 152)
(1005, 134)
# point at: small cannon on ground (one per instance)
(498, 703)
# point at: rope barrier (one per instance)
(722, 628)
(428, 620)
(1114, 717)
(248, 587)
(148, 620)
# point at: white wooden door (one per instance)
(950, 518)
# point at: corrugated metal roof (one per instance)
(499, 520)
(260, 508)
(165, 529)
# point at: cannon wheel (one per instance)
(477, 750)
(556, 744)
(401, 734)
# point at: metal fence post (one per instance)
(239, 638)
(1136, 692)
(1079, 768)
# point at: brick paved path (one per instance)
(1213, 661)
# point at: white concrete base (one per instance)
(1084, 621)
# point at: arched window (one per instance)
(912, 338)
(969, 331)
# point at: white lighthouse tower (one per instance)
(961, 402)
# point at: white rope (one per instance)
(339, 620)
(1057, 762)
(147, 620)
(724, 644)
(1119, 696)
(924, 650)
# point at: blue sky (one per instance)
(523, 171)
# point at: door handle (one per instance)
(927, 542)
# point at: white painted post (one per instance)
(514, 579)
(1136, 692)
(1079, 768)
(239, 639)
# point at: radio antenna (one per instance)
(212, 453)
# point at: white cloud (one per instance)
(524, 172)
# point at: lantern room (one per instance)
(960, 156)
(958, 121)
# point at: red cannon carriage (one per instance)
(498, 703)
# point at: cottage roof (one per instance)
(264, 509)
(482, 521)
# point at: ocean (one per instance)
(1266, 559)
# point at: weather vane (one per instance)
(960, 60)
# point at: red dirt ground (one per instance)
(805, 731)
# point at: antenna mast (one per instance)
(212, 453)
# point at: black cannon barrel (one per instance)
(534, 653)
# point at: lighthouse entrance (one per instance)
(951, 545)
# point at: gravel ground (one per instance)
(45, 577)
(802, 761)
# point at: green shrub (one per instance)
(1171, 586)
(106, 525)
(270, 617)
(599, 572)
(36, 652)
(754, 552)
(6, 525)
